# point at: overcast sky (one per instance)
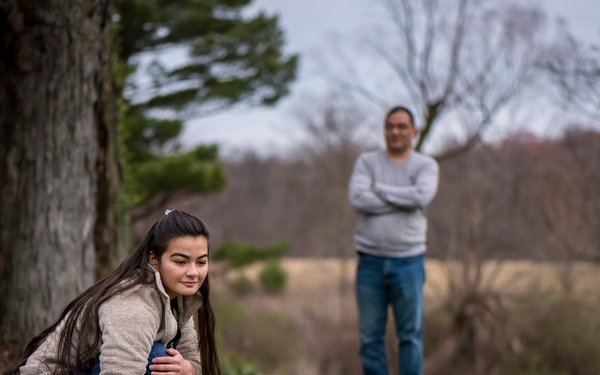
(309, 26)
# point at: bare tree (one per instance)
(473, 199)
(567, 202)
(459, 63)
(333, 143)
(575, 67)
(58, 179)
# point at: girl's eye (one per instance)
(179, 262)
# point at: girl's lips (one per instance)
(189, 283)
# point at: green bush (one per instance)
(273, 278)
(241, 254)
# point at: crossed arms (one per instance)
(372, 197)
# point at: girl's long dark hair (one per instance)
(80, 317)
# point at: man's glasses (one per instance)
(401, 127)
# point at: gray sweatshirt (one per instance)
(390, 200)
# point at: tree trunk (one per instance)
(56, 124)
(110, 229)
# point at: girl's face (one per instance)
(183, 266)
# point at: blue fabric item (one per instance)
(381, 282)
(157, 350)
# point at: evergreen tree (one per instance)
(231, 58)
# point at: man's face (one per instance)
(399, 132)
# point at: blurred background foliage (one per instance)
(226, 58)
(239, 254)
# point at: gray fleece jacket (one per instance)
(390, 200)
(130, 323)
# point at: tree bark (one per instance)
(56, 124)
(110, 229)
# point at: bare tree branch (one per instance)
(451, 58)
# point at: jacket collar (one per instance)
(188, 305)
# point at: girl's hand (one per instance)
(173, 364)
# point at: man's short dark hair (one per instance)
(400, 109)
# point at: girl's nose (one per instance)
(192, 271)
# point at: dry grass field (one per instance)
(316, 284)
(316, 334)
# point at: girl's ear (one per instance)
(153, 259)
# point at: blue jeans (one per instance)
(380, 282)
(158, 350)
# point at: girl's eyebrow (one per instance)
(180, 255)
(187, 256)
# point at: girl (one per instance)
(138, 319)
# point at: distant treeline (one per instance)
(523, 198)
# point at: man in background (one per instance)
(390, 190)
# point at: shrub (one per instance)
(544, 335)
(241, 254)
(273, 278)
(559, 337)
